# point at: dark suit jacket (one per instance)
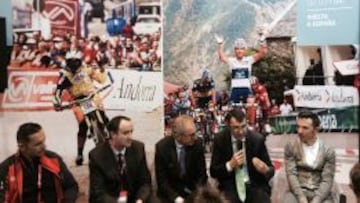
(170, 184)
(255, 147)
(105, 178)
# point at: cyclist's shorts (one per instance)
(240, 94)
(202, 102)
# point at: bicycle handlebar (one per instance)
(89, 97)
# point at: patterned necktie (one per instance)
(240, 177)
(123, 170)
(182, 162)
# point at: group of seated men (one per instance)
(240, 164)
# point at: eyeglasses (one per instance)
(192, 135)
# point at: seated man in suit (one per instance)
(309, 163)
(240, 162)
(179, 162)
(35, 174)
(118, 169)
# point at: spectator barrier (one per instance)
(336, 119)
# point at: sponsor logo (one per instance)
(30, 89)
(60, 13)
(19, 90)
(63, 15)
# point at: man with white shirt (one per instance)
(285, 108)
(309, 163)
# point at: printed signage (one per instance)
(132, 90)
(327, 22)
(30, 89)
(63, 15)
(348, 67)
(325, 96)
(141, 91)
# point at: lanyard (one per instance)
(39, 183)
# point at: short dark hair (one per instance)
(25, 130)
(114, 123)
(355, 179)
(309, 114)
(237, 113)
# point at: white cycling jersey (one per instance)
(241, 71)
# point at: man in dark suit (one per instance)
(179, 162)
(240, 162)
(118, 169)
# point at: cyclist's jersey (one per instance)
(80, 83)
(203, 88)
(240, 71)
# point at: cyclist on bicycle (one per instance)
(78, 80)
(203, 91)
(261, 96)
(262, 99)
(182, 104)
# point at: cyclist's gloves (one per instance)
(219, 39)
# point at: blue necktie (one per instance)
(182, 161)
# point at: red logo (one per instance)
(64, 16)
(30, 89)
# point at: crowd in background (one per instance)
(128, 51)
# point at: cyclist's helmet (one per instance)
(206, 74)
(254, 80)
(240, 43)
(73, 60)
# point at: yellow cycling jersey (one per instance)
(82, 81)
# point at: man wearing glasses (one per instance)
(240, 162)
(179, 162)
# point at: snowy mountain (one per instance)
(190, 26)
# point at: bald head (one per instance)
(181, 123)
(184, 130)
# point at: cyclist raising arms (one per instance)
(240, 66)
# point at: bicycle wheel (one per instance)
(98, 134)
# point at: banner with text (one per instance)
(342, 119)
(327, 22)
(348, 67)
(135, 90)
(325, 96)
(33, 89)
